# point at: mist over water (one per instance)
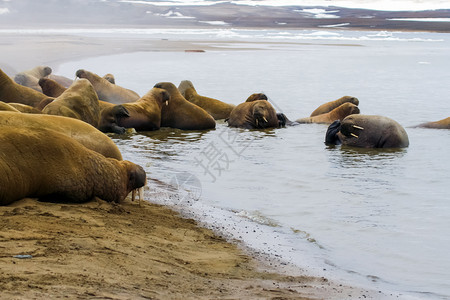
(376, 217)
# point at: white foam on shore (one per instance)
(421, 19)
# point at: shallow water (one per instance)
(376, 217)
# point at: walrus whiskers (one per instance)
(354, 135)
(357, 127)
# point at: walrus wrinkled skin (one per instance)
(51, 87)
(45, 164)
(11, 91)
(79, 101)
(256, 96)
(18, 107)
(145, 113)
(257, 114)
(31, 77)
(84, 133)
(366, 131)
(216, 108)
(441, 124)
(339, 113)
(181, 113)
(107, 91)
(329, 106)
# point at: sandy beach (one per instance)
(127, 250)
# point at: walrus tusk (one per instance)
(167, 103)
(354, 135)
(357, 127)
(133, 195)
(265, 120)
(256, 122)
(141, 195)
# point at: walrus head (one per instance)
(81, 73)
(260, 115)
(46, 71)
(331, 137)
(256, 96)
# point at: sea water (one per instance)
(376, 217)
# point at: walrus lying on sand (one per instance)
(339, 113)
(329, 106)
(79, 101)
(367, 132)
(258, 114)
(30, 78)
(81, 131)
(45, 164)
(441, 124)
(181, 113)
(11, 91)
(107, 91)
(216, 108)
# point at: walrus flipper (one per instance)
(331, 137)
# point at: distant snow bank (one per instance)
(386, 5)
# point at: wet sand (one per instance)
(127, 250)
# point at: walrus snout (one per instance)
(137, 177)
(47, 71)
(331, 137)
(80, 73)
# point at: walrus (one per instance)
(216, 108)
(110, 77)
(51, 87)
(182, 114)
(256, 96)
(62, 80)
(329, 106)
(31, 77)
(145, 113)
(23, 108)
(7, 107)
(84, 133)
(366, 131)
(338, 113)
(109, 117)
(11, 91)
(441, 124)
(107, 91)
(45, 164)
(79, 101)
(257, 114)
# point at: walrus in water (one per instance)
(107, 91)
(84, 133)
(145, 113)
(441, 124)
(45, 164)
(367, 132)
(11, 91)
(329, 106)
(338, 113)
(31, 77)
(257, 114)
(181, 113)
(216, 108)
(79, 101)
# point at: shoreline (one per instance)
(106, 250)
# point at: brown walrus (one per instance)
(256, 96)
(367, 132)
(338, 113)
(31, 77)
(441, 124)
(84, 133)
(145, 113)
(216, 108)
(181, 113)
(110, 77)
(329, 106)
(11, 91)
(62, 80)
(7, 107)
(79, 101)
(107, 91)
(51, 87)
(23, 108)
(45, 164)
(257, 114)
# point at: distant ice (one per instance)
(215, 22)
(386, 5)
(335, 25)
(174, 15)
(422, 19)
(4, 11)
(319, 13)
